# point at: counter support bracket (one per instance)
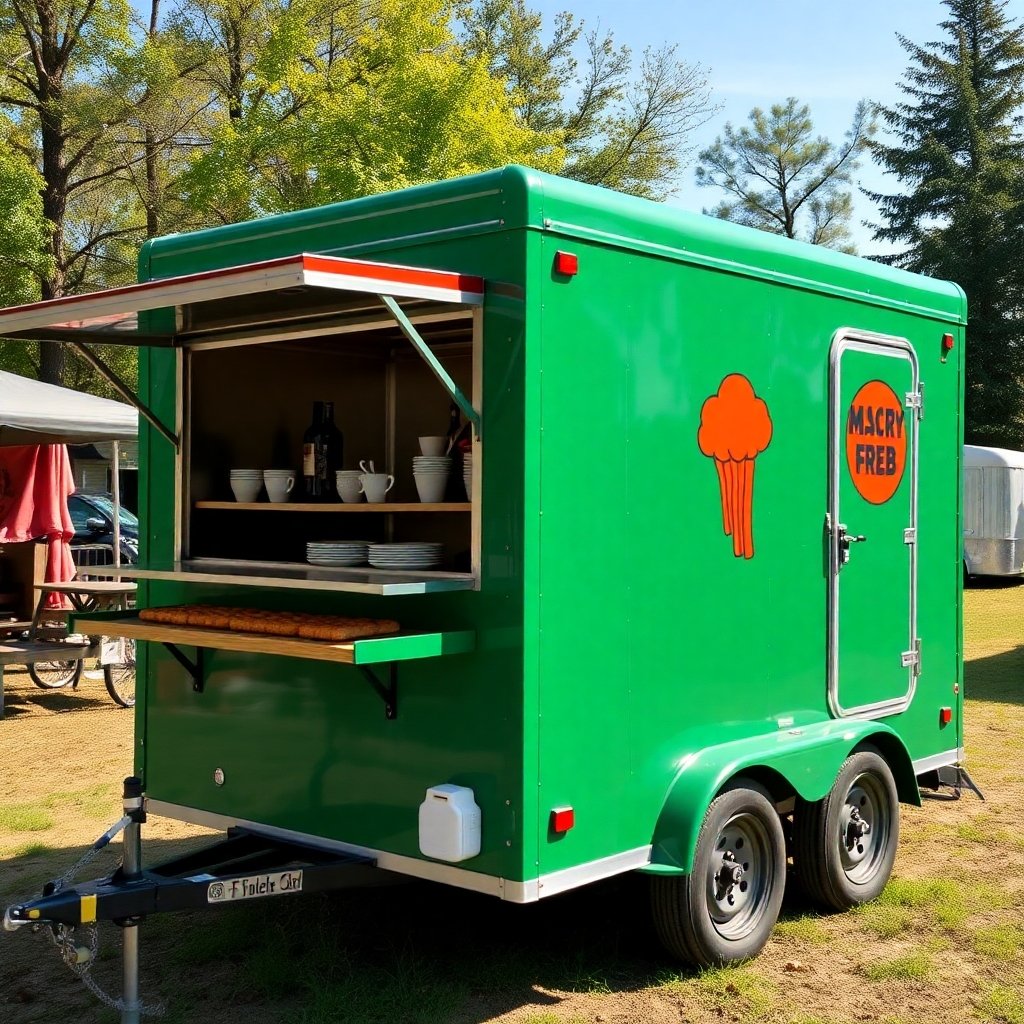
(193, 668)
(387, 693)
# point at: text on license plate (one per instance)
(277, 883)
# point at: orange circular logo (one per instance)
(876, 441)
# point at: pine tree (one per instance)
(956, 144)
(782, 178)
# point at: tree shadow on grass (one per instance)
(998, 677)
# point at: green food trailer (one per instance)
(698, 610)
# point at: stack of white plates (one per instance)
(431, 475)
(467, 473)
(337, 552)
(406, 556)
(246, 484)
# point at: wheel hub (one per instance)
(739, 877)
(863, 830)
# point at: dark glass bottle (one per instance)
(333, 453)
(310, 446)
(454, 426)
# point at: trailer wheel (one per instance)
(725, 909)
(844, 846)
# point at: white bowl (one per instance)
(431, 488)
(246, 491)
(433, 445)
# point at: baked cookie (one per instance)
(337, 628)
(210, 616)
(172, 615)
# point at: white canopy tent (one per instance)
(35, 413)
(32, 412)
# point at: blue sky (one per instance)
(757, 52)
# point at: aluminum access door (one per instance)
(874, 408)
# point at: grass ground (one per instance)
(943, 945)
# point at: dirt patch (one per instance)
(943, 945)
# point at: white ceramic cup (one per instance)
(431, 486)
(349, 487)
(279, 484)
(375, 486)
(246, 491)
(433, 445)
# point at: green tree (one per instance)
(57, 58)
(955, 144)
(320, 103)
(23, 239)
(784, 179)
(23, 242)
(619, 125)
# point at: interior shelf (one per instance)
(369, 651)
(302, 506)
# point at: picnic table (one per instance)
(84, 596)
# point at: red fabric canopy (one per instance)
(35, 482)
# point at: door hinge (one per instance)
(912, 658)
(915, 400)
(910, 535)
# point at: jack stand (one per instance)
(964, 781)
(951, 776)
(131, 869)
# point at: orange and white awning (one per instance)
(285, 289)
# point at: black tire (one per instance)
(837, 867)
(119, 679)
(701, 919)
(55, 675)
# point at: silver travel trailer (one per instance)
(993, 511)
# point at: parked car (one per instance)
(93, 516)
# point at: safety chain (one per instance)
(80, 957)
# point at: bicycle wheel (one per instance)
(55, 675)
(119, 679)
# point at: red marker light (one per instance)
(567, 263)
(562, 819)
(947, 342)
(945, 716)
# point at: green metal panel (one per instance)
(656, 643)
(620, 637)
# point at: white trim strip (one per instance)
(929, 764)
(571, 878)
(513, 892)
(399, 289)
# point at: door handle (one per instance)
(845, 540)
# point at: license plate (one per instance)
(112, 652)
(253, 887)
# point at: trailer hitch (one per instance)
(244, 865)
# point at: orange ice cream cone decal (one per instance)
(734, 429)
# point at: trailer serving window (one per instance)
(394, 347)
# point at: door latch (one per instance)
(845, 540)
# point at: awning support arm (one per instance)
(431, 360)
(123, 390)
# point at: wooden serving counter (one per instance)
(368, 651)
